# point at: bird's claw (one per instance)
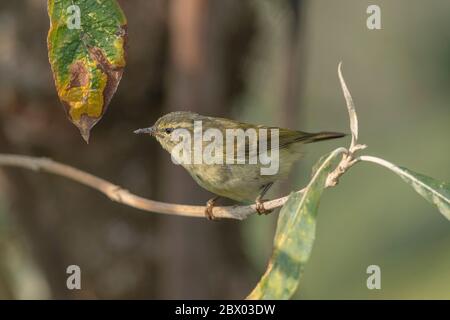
(260, 209)
(209, 209)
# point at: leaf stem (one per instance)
(379, 161)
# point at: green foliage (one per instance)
(86, 48)
(295, 233)
(294, 237)
(436, 192)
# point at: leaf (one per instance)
(87, 58)
(294, 237)
(434, 191)
(350, 107)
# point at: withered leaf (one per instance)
(86, 49)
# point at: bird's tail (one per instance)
(320, 136)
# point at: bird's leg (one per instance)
(260, 202)
(209, 207)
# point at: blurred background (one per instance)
(268, 62)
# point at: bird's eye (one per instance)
(168, 130)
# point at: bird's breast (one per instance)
(240, 182)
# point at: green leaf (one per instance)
(86, 49)
(434, 191)
(294, 237)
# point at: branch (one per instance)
(123, 196)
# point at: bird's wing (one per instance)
(286, 137)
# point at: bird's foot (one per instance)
(209, 208)
(260, 207)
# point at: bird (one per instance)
(239, 176)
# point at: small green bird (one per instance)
(235, 169)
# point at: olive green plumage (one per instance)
(240, 182)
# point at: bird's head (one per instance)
(169, 124)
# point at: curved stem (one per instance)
(379, 161)
(121, 195)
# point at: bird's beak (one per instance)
(150, 131)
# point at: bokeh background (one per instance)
(269, 62)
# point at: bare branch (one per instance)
(121, 195)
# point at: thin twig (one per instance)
(121, 195)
